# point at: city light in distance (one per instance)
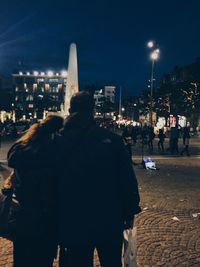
(35, 73)
(50, 73)
(150, 44)
(64, 73)
(154, 55)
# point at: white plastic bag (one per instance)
(130, 248)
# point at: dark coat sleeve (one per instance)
(128, 184)
(19, 156)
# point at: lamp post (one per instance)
(154, 55)
(120, 103)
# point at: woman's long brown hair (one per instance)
(31, 134)
(37, 131)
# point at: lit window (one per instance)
(29, 98)
(46, 86)
(59, 87)
(34, 86)
(40, 80)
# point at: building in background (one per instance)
(109, 93)
(36, 93)
(6, 93)
(105, 102)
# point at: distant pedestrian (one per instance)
(151, 136)
(143, 133)
(134, 133)
(98, 192)
(173, 141)
(161, 139)
(186, 141)
(33, 160)
(1, 131)
(126, 135)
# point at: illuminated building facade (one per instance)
(36, 93)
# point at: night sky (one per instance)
(111, 38)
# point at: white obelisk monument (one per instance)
(72, 78)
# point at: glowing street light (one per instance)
(64, 73)
(154, 55)
(150, 44)
(50, 73)
(35, 73)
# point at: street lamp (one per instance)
(154, 55)
(150, 44)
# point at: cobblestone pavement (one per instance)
(168, 229)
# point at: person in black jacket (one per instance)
(98, 191)
(186, 141)
(33, 160)
(161, 139)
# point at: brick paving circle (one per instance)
(165, 241)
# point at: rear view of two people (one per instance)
(85, 174)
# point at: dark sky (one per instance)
(111, 37)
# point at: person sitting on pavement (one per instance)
(98, 191)
(33, 159)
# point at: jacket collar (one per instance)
(78, 121)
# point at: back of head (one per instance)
(82, 102)
(51, 124)
(38, 131)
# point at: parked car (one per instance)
(20, 127)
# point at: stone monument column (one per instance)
(72, 78)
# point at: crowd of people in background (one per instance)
(149, 137)
(132, 135)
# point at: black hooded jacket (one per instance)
(98, 189)
(35, 191)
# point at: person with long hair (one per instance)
(33, 159)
